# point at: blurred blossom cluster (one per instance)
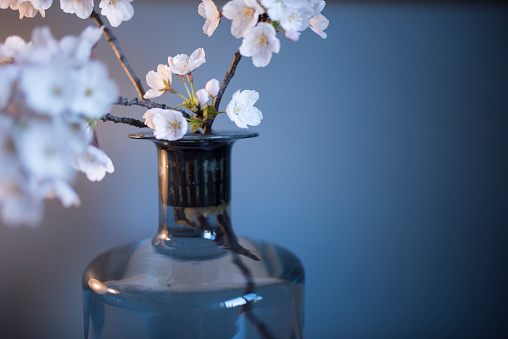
(115, 10)
(53, 93)
(50, 91)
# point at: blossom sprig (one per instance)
(168, 124)
(251, 21)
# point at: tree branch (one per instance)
(119, 120)
(207, 129)
(113, 41)
(147, 104)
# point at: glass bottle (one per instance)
(195, 278)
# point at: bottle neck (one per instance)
(194, 196)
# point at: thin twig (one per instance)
(113, 41)
(207, 129)
(225, 225)
(147, 104)
(250, 286)
(119, 120)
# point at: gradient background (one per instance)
(381, 163)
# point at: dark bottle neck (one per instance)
(194, 187)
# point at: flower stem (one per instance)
(207, 129)
(113, 41)
(185, 84)
(147, 104)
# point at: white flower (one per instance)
(117, 11)
(208, 10)
(41, 50)
(48, 90)
(79, 49)
(159, 82)
(292, 35)
(279, 9)
(78, 133)
(244, 14)
(44, 152)
(298, 19)
(318, 23)
(94, 163)
(166, 124)
(241, 109)
(94, 91)
(6, 3)
(212, 87)
(183, 64)
(203, 97)
(30, 8)
(10, 49)
(259, 43)
(82, 8)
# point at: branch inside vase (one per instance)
(250, 286)
(225, 225)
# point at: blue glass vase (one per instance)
(195, 278)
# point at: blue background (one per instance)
(381, 163)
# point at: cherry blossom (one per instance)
(208, 10)
(31, 8)
(298, 18)
(159, 81)
(260, 43)
(244, 14)
(279, 9)
(167, 124)
(10, 49)
(241, 109)
(48, 90)
(44, 152)
(183, 64)
(6, 3)
(82, 8)
(202, 96)
(212, 87)
(94, 91)
(117, 11)
(78, 50)
(318, 22)
(94, 163)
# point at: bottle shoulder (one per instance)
(140, 266)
